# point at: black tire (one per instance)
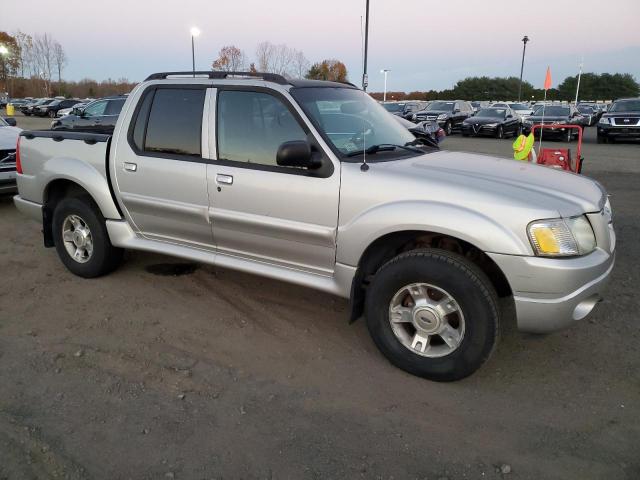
(518, 131)
(602, 139)
(105, 257)
(611, 140)
(470, 288)
(499, 132)
(448, 127)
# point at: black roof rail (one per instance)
(269, 77)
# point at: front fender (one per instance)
(85, 175)
(471, 226)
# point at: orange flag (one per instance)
(547, 80)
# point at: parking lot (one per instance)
(219, 374)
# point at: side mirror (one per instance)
(10, 121)
(295, 154)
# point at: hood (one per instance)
(548, 118)
(493, 184)
(621, 114)
(9, 137)
(482, 120)
(433, 112)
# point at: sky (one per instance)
(425, 44)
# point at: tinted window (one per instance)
(141, 120)
(252, 125)
(175, 121)
(114, 107)
(96, 109)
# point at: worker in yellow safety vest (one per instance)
(523, 148)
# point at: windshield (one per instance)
(441, 106)
(352, 120)
(54, 103)
(393, 107)
(550, 110)
(518, 106)
(626, 106)
(585, 109)
(491, 113)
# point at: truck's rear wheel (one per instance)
(434, 314)
(81, 238)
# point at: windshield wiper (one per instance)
(383, 147)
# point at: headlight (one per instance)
(414, 116)
(603, 121)
(442, 116)
(490, 124)
(562, 237)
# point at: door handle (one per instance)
(130, 167)
(224, 179)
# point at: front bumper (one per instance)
(468, 129)
(614, 131)
(551, 294)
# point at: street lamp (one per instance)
(385, 71)
(524, 49)
(195, 31)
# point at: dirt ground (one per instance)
(218, 374)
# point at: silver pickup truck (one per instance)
(315, 183)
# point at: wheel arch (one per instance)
(389, 245)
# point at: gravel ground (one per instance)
(218, 374)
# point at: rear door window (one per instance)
(175, 122)
(114, 107)
(96, 109)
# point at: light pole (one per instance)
(195, 31)
(365, 79)
(578, 86)
(524, 49)
(384, 95)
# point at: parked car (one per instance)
(51, 109)
(622, 121)
(556, 115)
(28, 108)
(75, 109)
(404, 109)
(99, 116)
(523, 110)
(448, 114)
(8, 139)
(495, 122)
(421, 240)
(18, 102)
(589, 114)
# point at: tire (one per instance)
(448, 128)
(499, 132)
(474, 298)
(103, 257)
(602, 139)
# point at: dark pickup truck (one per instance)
(622, 121)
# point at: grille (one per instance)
(7, 160)
(626, 122)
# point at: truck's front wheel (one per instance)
(81, 238)
(434, 314)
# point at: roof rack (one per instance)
(269, 77)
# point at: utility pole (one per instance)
(524, 49)
(365, 79)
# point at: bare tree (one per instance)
(44, 59)
(300, 64)
(230, 59)
(25, 47)
(278, 59)
(60, 59)
(264, 56)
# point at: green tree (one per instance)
(332, 70)
(593, 86)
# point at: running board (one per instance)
(123, 236)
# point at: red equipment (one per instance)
(560, 157)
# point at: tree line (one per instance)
(593, 86)
(280, 59)
(33, 66)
